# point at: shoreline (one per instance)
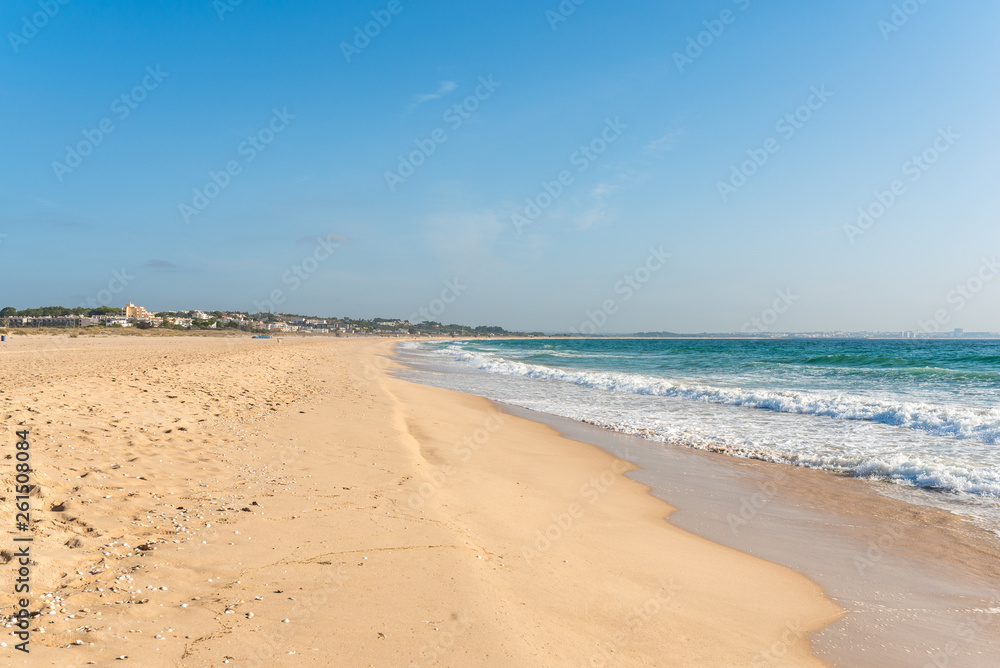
(918, 582)
(203, 500)
(945, 465)
(732, 586)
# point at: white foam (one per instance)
(909, 443)
(982, 426)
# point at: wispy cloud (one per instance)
(162, 265)
(598, 213)
(444, 88)
(64, 223)
(44, 202)
(464, 237)
(36, 220)
(666, 142)
(627, 173)
(329, 238)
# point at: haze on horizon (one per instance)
(674, 167)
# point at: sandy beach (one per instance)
(209, 500)
(564, 334)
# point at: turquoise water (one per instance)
(918, 413)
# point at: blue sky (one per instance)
(311, 219)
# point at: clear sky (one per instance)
(217, 155)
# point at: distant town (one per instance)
(138, 317)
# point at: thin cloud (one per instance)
(64, 223)
(666, 143)
(444, 88)
(329, 238)
(163, 265)
(45, 202)
(464, 236)
(35, 221)
(599, 212)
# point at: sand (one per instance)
(920, 586)
(286, 502)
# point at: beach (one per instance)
(569, 334)
(222, 499)
(865, 465)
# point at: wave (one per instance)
(862, 360)
(895, 468)
(981, 425)
(918, 369)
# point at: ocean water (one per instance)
(922, 415)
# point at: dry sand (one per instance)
(211, 500)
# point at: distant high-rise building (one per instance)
(133, 311)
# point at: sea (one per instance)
(919, 415)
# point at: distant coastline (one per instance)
(132, 316)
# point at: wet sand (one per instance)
(920, 586)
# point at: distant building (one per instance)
(72, 321)
(133, 311)
(109, 320)
(52, 321)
